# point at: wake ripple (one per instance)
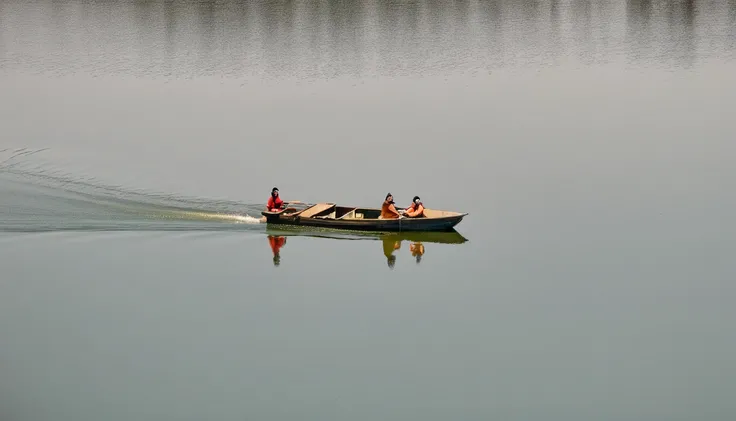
(39, 199)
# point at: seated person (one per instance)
(274, 203)
(416, 209)
(388, 210)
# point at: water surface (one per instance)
(590, 142)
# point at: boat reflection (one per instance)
(391, 242)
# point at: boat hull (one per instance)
(344, 218)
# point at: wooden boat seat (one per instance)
(349, 215)
(337, 212)
(328, 216)
(316, 209)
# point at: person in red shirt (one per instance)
(274, 203)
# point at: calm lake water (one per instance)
(591, 142)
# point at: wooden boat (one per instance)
(329, 215)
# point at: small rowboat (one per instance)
(329, 215)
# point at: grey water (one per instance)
(592, 144)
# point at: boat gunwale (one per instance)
(404, 224)
(280, 214)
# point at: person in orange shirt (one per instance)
(388, 210)
(416, 209)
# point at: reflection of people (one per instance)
(416, 209)
(388, 210)
(389, 245)
(417, 250)
(276, 243)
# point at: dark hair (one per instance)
(416, 198)
(274, 189)
(388, 196)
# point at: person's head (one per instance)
(391, 260)
(274, 192)
(416, 200)
(389, 198)
(276, 260)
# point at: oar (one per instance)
(286, 204)
(299, 202)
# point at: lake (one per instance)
(591, 144)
